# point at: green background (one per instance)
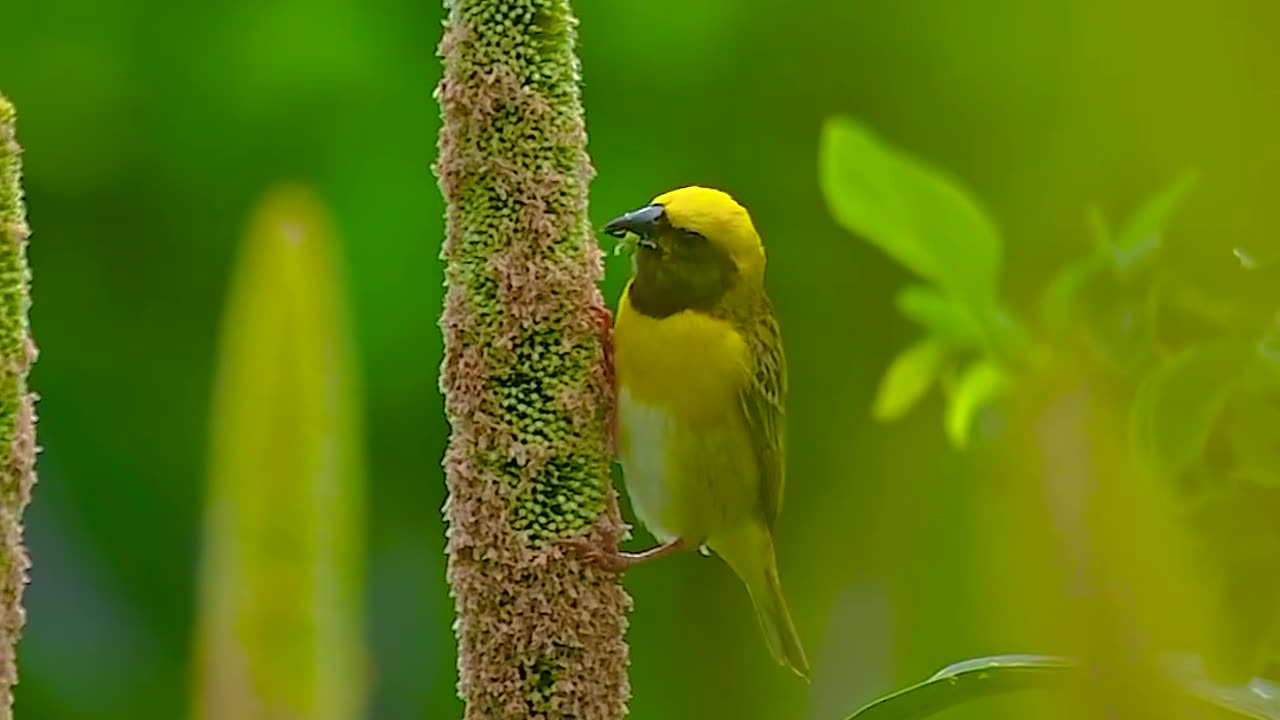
(151, 128)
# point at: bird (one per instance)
(701, 383)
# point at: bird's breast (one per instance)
(685, 452)
(689, 364)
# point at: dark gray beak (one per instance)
(640, 222)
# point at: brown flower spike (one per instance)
(525, 375)
(17, 404)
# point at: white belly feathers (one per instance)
(645, 458)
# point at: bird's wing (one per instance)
(763, 397)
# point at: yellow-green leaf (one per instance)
(980, 383)
(280, 612)
(920, 218)
(940, 315)
(1140, 237)
(908, 378)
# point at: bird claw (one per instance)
(596, 555)
(609, 561)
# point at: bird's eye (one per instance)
(691, 237)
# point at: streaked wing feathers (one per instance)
(763, 400)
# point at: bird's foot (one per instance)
(611, 560)
(591, 553)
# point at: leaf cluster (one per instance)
(1200, 371)
(1117, 300)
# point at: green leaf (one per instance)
(911, 212)
(280, 616)
(984, 677)
(981, 383)
(1064, 303)
(1140, 237)
(908, 378)
(1176, 405)
(971, 680)
(940, 315)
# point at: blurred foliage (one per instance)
(917, 217)
(935, 228)
(151, 129)
(1115, 299)
(280, 615)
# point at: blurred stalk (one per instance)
(525, 374)
(1099, 567)
(280, 618)
(17, 404)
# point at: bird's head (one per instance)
(693, 246)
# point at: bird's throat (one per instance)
(665, 285)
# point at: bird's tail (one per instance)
(750, 554)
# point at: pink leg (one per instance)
(614, 561)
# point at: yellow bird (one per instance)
(701, 384)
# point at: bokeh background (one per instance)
(152, 128)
